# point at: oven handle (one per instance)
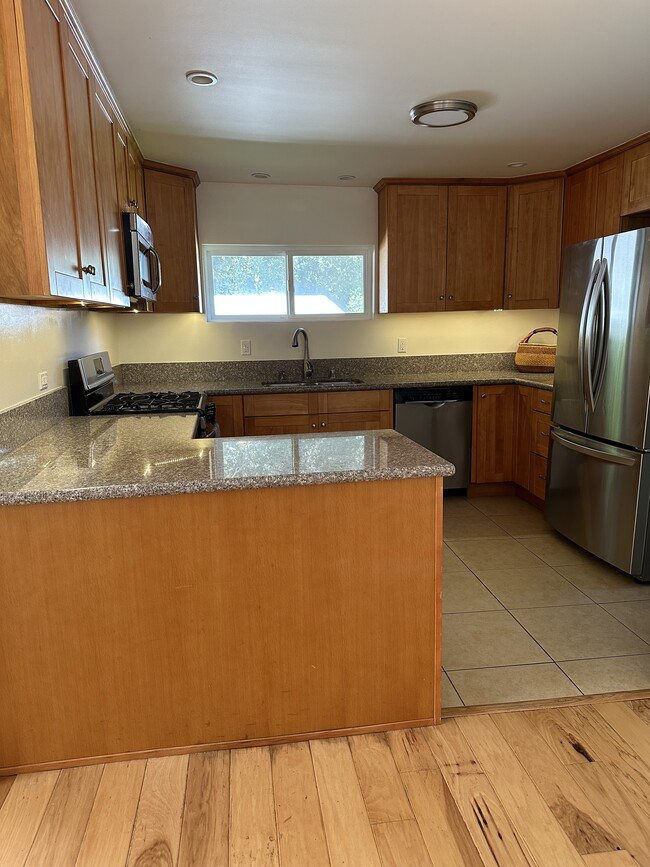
(158, 270)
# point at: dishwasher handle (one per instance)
(434, 404)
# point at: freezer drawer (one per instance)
(597, 496)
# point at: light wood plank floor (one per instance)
(561, 787)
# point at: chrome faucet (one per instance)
(307, 366)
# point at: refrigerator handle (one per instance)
(582, 330)
(604, 301)
(592, 453)
(588, 348)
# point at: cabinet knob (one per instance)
(442, 297)
(484, 395)
(509, 296)
(314, 425)
(542, 477)
(89, 269)
(545, 401)
(322, 424)
(542, 434)
(133, 203)
(451, 297)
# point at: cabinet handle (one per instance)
(546, 402)
(314, 425)
(322, 424)
(133, 203)
(451, 297)
(542, 477)
(442, 297)
(542, 434)
(509, 296)
(484, 395)
(89, 269)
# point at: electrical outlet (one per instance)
(42, 380)
(401, 344)
(245, 347)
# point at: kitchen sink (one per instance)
(310, 383)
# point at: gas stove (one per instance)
(92, 393)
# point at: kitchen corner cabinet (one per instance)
(492, 433)
(170, 195)
(58, 171)
(592, 201)
(532, 439)
(636, 180)
(534, 244)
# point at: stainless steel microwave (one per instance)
(143, 274)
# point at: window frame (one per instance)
(365, 250)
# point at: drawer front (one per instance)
(355, 401)
(542, 400)
(351, 421)
(542, 433)
(273, 425)
(280, 404)
(538, 466)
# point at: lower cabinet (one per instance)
(533, 431)
(492, 434)
(332, 412)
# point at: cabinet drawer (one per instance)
(537, 484)
(355, 401)
(541, 432)
(542, 400)
(351, 421)
(280, 404)
(280, 424)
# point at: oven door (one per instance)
(144, 274)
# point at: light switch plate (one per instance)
(245, 347)
(401, 344)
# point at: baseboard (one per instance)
(537, 502)
(495, 489)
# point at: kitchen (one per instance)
(206, 627)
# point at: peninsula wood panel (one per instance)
(534, 244)
(492, 433)
(636, 180)
(412, 248)
(221, 623)
(476, 246)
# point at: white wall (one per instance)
(273, 214)
(34, 339)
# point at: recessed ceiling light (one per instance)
(201, 77)
(260, 175)
(443, 112)
(347, 177)
(516, 165)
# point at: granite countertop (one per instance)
(109, 457)
(402, 380)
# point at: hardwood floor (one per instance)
(556, 787)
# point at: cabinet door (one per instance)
(579, 207)
(120, 137)
(636, 180)
(48, 103)
(542, 433)
(492, 433)
(300, 403)
(524, 435)
(280, 424)
(104, 137)
(609, 183)
(229, 413)
(350, 421)
(355, 401)
(533, 244)
(476, 246)
(136, 178)
(78, 98)
(171, 213)
(538, 470)
(413, 248)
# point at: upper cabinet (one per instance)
(636, 180)
(469, 246)
(592, 199)
(534, 244)
(170, 194)
(65, 163)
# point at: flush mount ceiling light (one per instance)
(516, 165)
(347, 177)
(260, 175)
(201, 77)
(443, 112)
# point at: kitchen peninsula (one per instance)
(162, 594)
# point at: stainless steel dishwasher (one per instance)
(440, 419)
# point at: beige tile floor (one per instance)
(528, 615)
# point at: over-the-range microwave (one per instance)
(143, 274)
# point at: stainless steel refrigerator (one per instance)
(598, 488)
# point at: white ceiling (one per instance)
(311, 89)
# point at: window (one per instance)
(266, 283)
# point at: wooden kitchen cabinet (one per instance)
(534, 244)
(170, 194)
(636, 180)
(412, 248)
(280, 424)
(532, 439)
(476, 244)
(229, 414)
(523, 438)
(492, 433)
(592, 201)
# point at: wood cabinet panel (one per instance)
(299, 403)
(524, 435)
(476, 245)
(135, 178)
(537, 484)
(636, 180)
(492, 433)
(542, 432)
(609, 184)
(48, 102)
(350, 421)
(533, 244)
(229, 413)
(355, 401)
(579, 207)
(171, 213)
(280, 424)
(542, 400)
(413, 248)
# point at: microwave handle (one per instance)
(158, 270)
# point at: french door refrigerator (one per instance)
(598, 488)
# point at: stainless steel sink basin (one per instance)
(309, 383)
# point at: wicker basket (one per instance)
(536, 357)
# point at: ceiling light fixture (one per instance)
(516, 165)
(347, 177)
(260, 175)
(201, 77)
(443, 112)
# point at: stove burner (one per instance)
(152, 402)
